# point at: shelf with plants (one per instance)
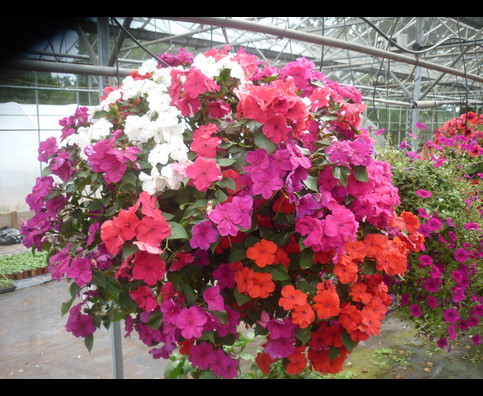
(22, 265)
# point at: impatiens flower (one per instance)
(423, 193)
(213, 298)
(266, 182)
(326, 303)
(148, 267)
(80, 325)
(202, 355)
(203, 172)
(262, 285)
(80, 270)
(291, 297)
(111, 235)
(145, 298)
(203, 235)
(303, 315)
(425, 259)
(191, 321)
(153, 230)
(263, 253)
(226, 217)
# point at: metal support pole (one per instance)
(417, 83)
(115, 328)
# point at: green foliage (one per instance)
(20, 262)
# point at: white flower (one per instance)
(139, 129)
(99, 129)
(156, 181)
(159, 154)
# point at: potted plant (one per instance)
(7, 285)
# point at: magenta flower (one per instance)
(472, 226)
(225, 275)
(432, 284)
(78, 324)
(191, 321)
(415, 310)
(203, 235)
(224, 366)
(145, 298)
(442, 342)
(461, 255)
(432, 301)
(47, 149)
(451, 315)
(421, 125)
(266, 182)
(476, 339)
(202, 355)
(80, 270)
(213, 298)
(423, 193)
(245, 206)
(425, 260)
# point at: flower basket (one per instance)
(212, 192)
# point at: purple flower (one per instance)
(451, 315)
(191, 321)
(203, 234)
(458, 294)
(245, 206)
(476, 339)
(432, 302)
(280, 348)
(59, 263)
(461, 255)
(258, 159)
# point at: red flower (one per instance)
(148, 267)
(111, 236)
(153, 230)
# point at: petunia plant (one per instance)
(442, 184)
(213, 193)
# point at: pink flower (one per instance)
(225, 275)
(191, 321)
(423, 193)
(47, 148)
(78, 324)
(203, 172)
(425, 260)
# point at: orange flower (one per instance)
(346, 270)
(355, 249)
(244, 279)
(359, 293)
(374, 243)
(261, 285)
(291, 297)
(303, 315)
(263, 253)
(326, 303)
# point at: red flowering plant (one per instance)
(442, 287)
(213, 193)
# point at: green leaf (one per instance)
(237, 253)
(278, 272)
(341, 173)
(334, 353)
(306, 259)
(66, 306)
(225, 161)
(262, 141)
(228, 182)
(177, 231)
(240, 298)
(311, 183)
(303, 335)
(126, 302)
(347, 341)
(360, 173)
(89, 342)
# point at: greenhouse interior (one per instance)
(241, 198)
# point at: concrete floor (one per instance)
(35, 345)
